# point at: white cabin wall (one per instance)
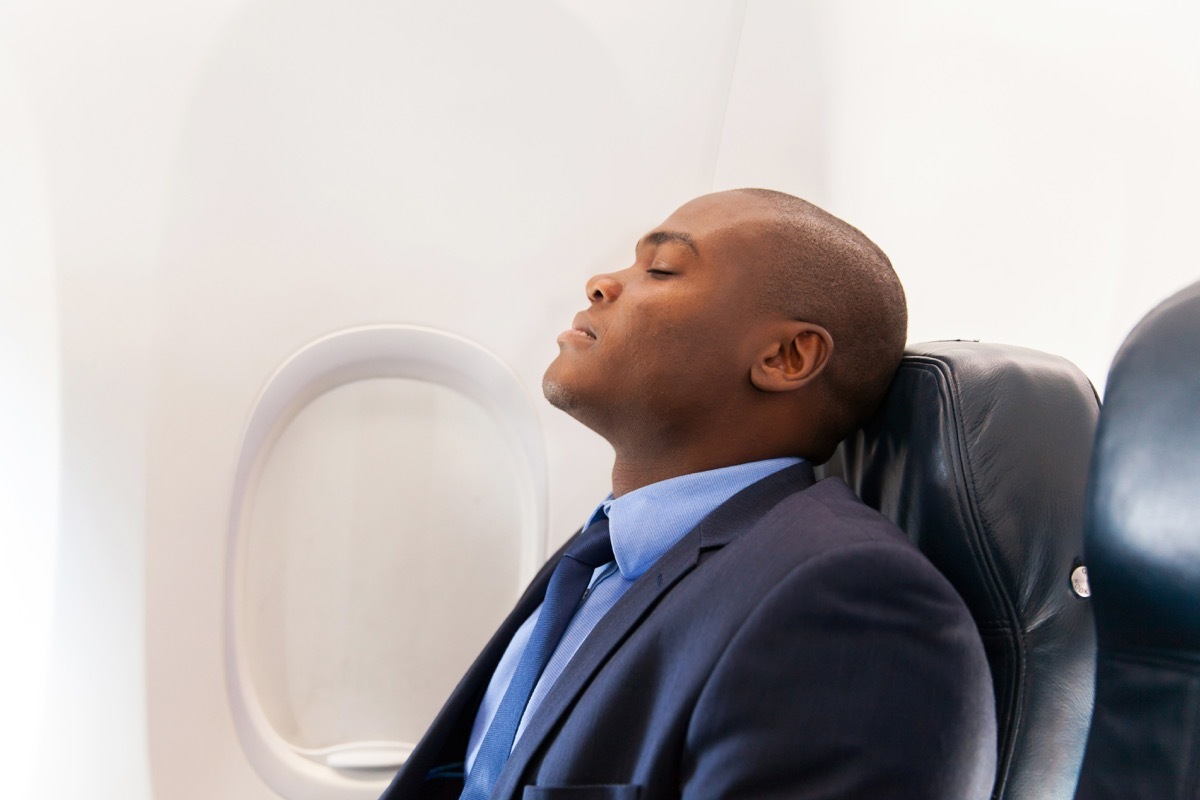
(29, 438)
(104, 87)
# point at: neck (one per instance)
(629, 474)
(646, 456)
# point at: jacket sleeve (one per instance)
(859, 675)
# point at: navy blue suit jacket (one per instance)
(794, 644)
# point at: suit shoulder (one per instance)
(829, 512)
(825, 533)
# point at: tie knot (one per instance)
(593, 547)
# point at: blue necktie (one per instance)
(567, 585)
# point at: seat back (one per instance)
(1142, 539)
(980, 454)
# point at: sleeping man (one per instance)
(723, 625)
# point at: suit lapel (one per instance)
(727, 522)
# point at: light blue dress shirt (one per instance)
(644, 525)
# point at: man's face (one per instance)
(669, 340)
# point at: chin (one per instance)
(558, 386)
(559, 395)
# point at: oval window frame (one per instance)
(347, 356)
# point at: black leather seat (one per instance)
(980, 454)
(1142, 536)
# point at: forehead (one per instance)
(716, 226)
(724, 214)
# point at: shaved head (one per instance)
(825, 271)
(750, 325)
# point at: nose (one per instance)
(603, 287)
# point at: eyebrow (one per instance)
(662, 237)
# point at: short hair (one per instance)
(825, 271)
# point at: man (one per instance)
(746, 632)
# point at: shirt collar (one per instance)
(647, 522)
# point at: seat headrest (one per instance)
(1143, 512)
(1142, 539)
(980, 454)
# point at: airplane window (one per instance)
(388, 506)
(382, 547)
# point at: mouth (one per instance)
(580, 330)
(583, 324)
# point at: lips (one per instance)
(580, 332)
(582, 324)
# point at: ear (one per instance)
(797, 355)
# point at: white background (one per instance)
(190, 191)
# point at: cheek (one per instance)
(676, 342)
(681, 353)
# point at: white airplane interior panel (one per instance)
(30, 427)
(280, 281)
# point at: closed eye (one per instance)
(659, 273)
